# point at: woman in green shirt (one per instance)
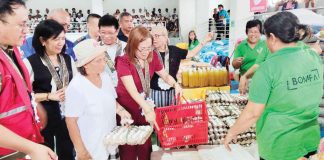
(193, 41)
(248, 50)
(284, 96)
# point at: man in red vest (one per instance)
(18, 129)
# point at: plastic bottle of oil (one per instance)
(218, 77)
(201, 77)
(214, 77)
(205, 76)
(210, 76)
(191, 76)
(185, 77)
(196, 78)
(225, 76)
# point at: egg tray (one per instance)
(225, 98)
(222, 111)
(132, 135)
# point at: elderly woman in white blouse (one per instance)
(91, 105)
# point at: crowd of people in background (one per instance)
(148, 19)
(78, 19)
(140, 16)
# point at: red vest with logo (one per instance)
(14, 93)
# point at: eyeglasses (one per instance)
(20, 26)
(147, 49)
(157, 35)
(110, 34)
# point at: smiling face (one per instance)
(108, 34)
(13, 28)
(144, 49)
(254, 35)
(192, 35)
(54, 45)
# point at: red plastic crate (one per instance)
(181, 125)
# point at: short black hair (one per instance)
(46, 29)
(220, 5)
(93, 15)
(253, 23)
(108, 20)
(285, 26)
(82, 70)
(124, 14)
(7, 7)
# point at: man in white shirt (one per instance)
(108, 30)
(140, 13)
(79, 19)
(167, 14)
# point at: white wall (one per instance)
(187, 20)
(84, 5)
(202, 18)
(97, 7)
(240, 14)
(110, 6)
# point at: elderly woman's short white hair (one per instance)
(160, 29)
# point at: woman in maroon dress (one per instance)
(135, 70)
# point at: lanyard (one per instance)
(145, 80)
(61, 80)
(166, 59)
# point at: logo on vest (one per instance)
(296, 82)
(256, 2)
